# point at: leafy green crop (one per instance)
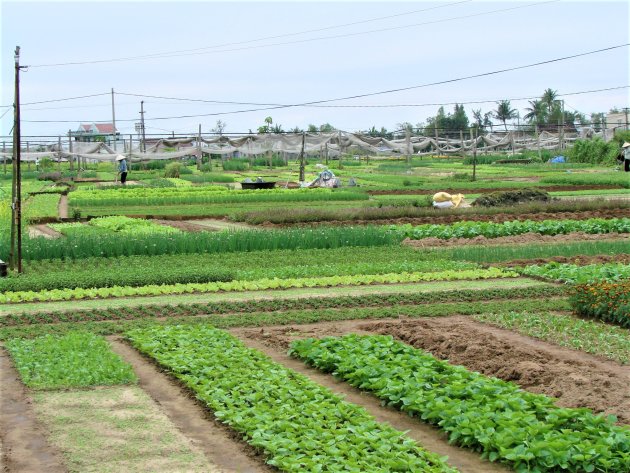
(73, 360)
(467, 229)
(258, 285)
(115, 224)
(573, 273)
(492, 416)
(299, 425)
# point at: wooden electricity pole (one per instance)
(15, 254)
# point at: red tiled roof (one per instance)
(85, 126)
(105, 127)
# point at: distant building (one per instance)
(617, 121)
(89, 132)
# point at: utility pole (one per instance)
(144, 144)
(16, 188)
(114, 118)
(474, 176)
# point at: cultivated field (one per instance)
(187, 325)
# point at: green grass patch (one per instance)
(76, 359)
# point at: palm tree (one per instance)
(536, 112)
(504, 112)
(549, 97)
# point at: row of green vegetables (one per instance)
(114, 224)
(205, 267)
(527, 431)
(297, 424)
(467, 229)
(205, 195)
(577, 274)
(257, 285)
(106, 244)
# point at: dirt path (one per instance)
(575, 378)
(25, 446)
(425, 435)
(63, 206)
(220, 445)
(42, 230)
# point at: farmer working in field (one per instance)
(626, 156)
(122, 168)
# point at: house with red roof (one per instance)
(95, 132)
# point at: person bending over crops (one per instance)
(122, 168)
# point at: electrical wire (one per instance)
(345, 35)
(472, 102)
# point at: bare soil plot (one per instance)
(114, 429)
(63, 206)
(575, 378)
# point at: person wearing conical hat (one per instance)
(122, 168)
(625, 148)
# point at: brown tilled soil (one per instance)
(184, 226)
(445, 217)
(490, 189)
(24, 439)
(575, 378)
(63, 206)
(581, 260)
(524, 239)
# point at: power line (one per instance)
(582, 92)
(320, 38)
(472, 102)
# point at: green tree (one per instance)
(504, 112)
(266, 128)
(536, 112)
(326, 128)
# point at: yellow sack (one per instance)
(446, 197)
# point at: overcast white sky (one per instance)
(248, 69)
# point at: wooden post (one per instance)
(512, 142)
(4, 157)
(408, 145)
(59, 154)
(340, 151)
(198, 148)
(28, 150)
(461, 140)
(301, 178)
(474, 176)
(71, 158)
(538, 141)
(326, 152)
(437, 142)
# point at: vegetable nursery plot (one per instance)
(297, 424)
(506, 424)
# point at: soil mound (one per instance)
(508, 198)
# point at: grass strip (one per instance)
(120, 320)
(497, 418)
(299, 425)
(585, 335)
(249, 305)
(75, 359)
(261, 284)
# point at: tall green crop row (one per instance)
(494, 417)
(297, 424)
